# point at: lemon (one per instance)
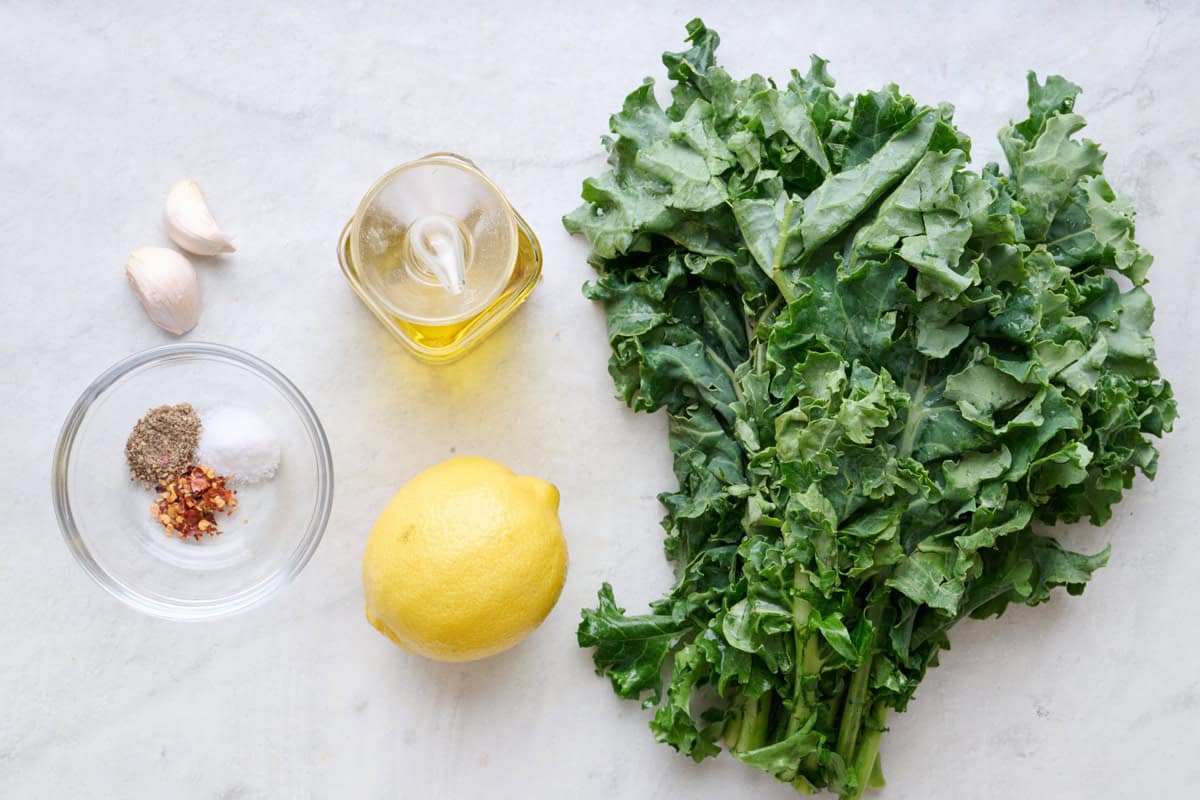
(465, 561)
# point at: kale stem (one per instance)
(802, 785)
(721, 362)
(745, 739)
(763, 722)
(807, 668)
(728, 370)
(733, 725)
(777, 277)
(876, 780)
(856, 695)
(808, 657)
(916, 413)
(785, 289)
(756, 720)
(771, 307)
(852, 715)
(868, 751)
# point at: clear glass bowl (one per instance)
(105, 516)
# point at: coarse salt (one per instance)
(238, 443)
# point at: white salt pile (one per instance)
(237, 442)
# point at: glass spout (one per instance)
(436, 246)
(435, 241)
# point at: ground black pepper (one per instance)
(163, 443)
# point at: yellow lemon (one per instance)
(465, 561)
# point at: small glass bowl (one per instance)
(105, 515)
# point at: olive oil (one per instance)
(441, 344)
(439, 256)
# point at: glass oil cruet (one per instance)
(439, 255)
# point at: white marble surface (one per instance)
(286, 117)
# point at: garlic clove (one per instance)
(190, 224)
(165, 284)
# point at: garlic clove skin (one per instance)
(165, 284)
(190, 224)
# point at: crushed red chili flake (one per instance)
(188, 504)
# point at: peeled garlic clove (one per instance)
(165, 283)
(190, 224)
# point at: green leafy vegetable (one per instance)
(881, 370)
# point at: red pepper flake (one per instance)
(188, 504)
